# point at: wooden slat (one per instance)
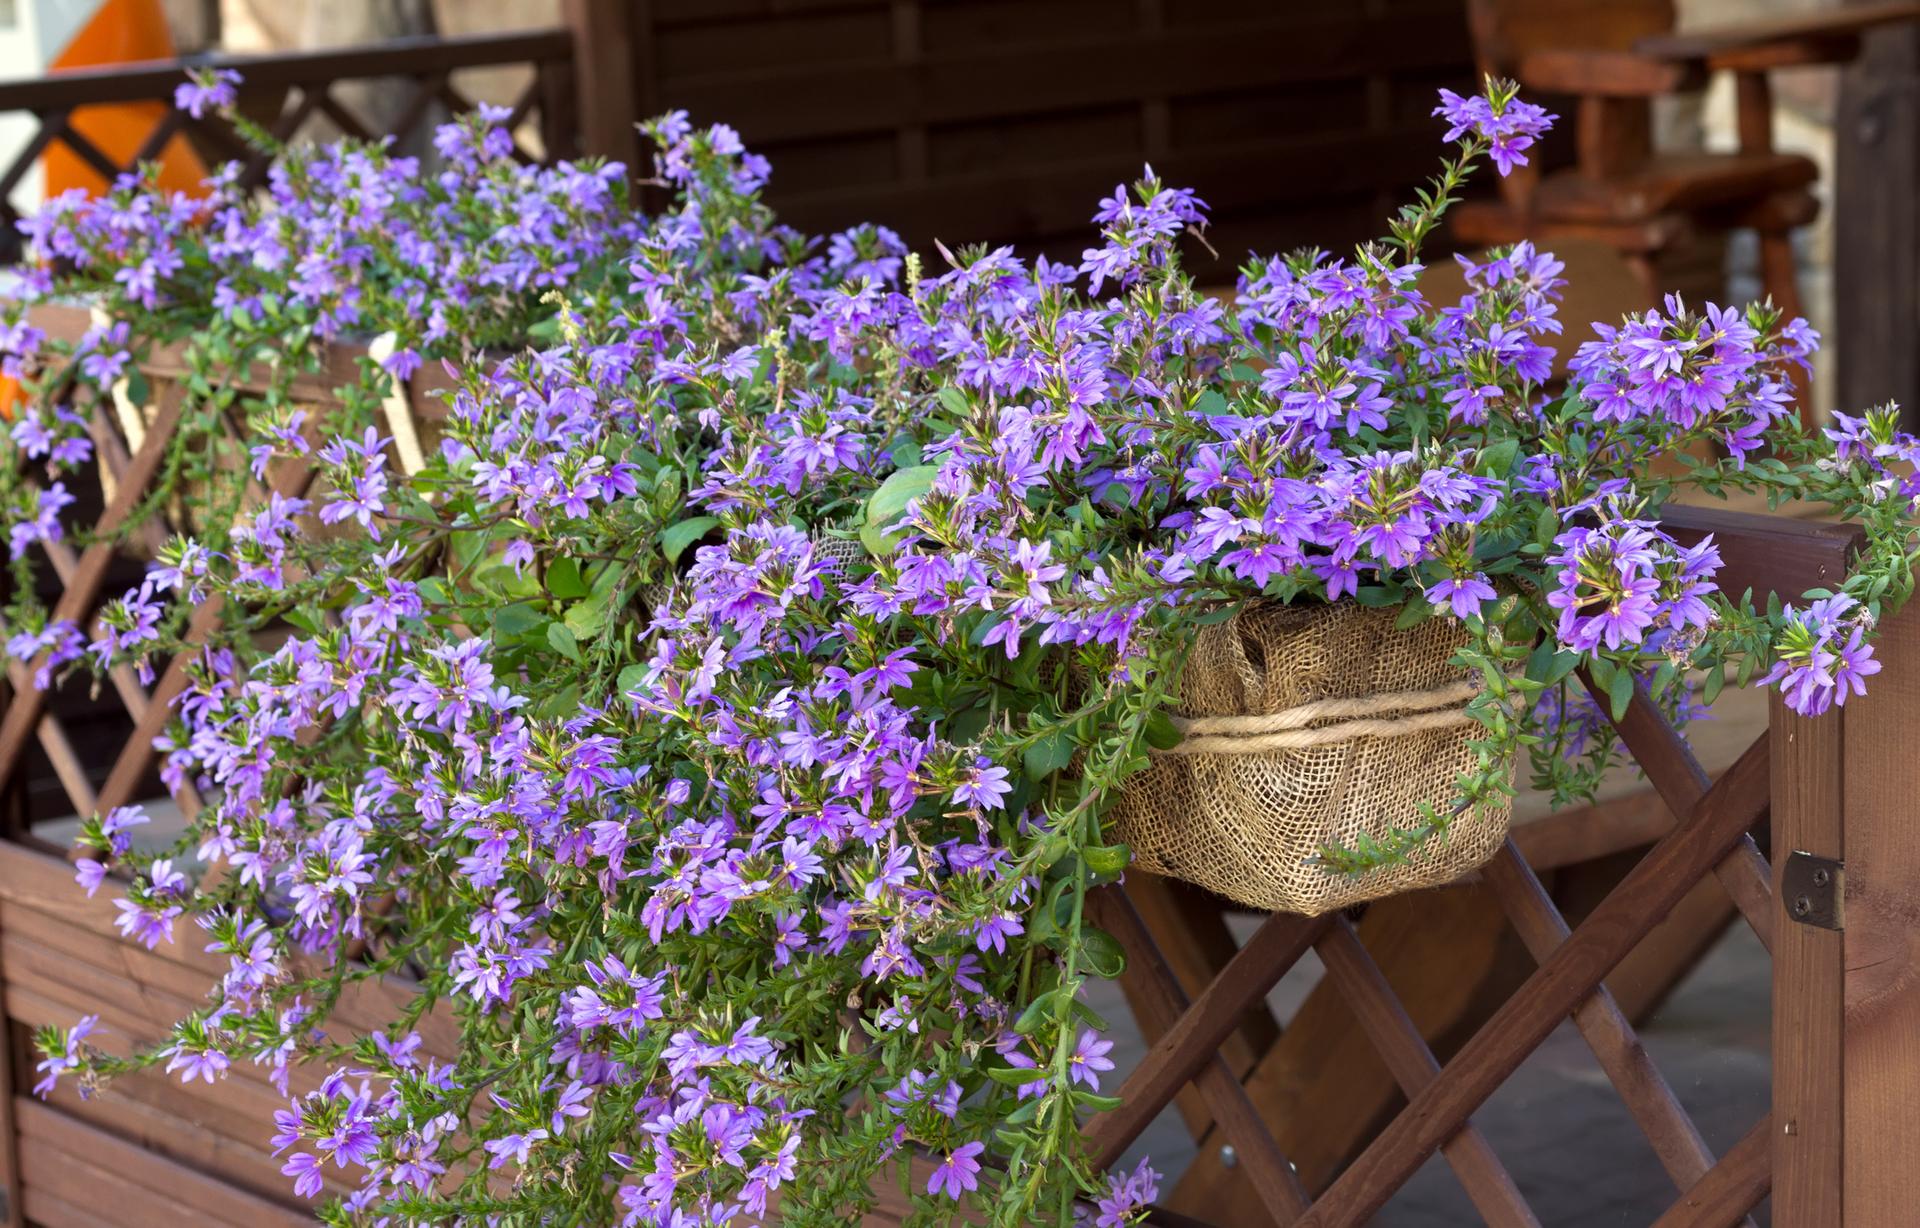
(1451, 956)
(1768, 554)
(399, 57)
(1880, 1045)
(56, 1137)
(1732, 1187)
(1654, 1107)
(52, 1211)
(805, 101)
(1191, 934)
(1487, 1183)
(1162, 1005)
(1187, 1046)
(38, 897)
(11, 1215)
(1569, 837)
(244, 1159)
(1668, 761)
(1550, 995)
(37, 998)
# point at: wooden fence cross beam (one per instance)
(77, 601)
(1399, 1043)
(1195, 1039)
(1551, 994)
(1162, 1004)
(1655, 1109)
(1667, 760)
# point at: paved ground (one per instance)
(1557, 1125)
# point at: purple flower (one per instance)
(1089, 1059)
(207, 88)
(959, 1173)
(307, 1172)
(985, 785)
(1464, 595)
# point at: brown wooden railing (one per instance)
(286, 94)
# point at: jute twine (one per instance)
(1306, 726)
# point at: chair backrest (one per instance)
(1607, 132)
(1505, 31)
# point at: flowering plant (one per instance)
(717, 727)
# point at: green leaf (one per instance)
(1049, 755)
(513, 621)
(587, 619)
(565, 581)
(1038, 1011)
(562, 703)
(1620, 693)
(902, 487)
(1498, 459)
(1162, 734)
(630, 678)
(675, 538)
(563, 642)
(1546, 527)
(1106, 858)
(1104, 955)
(952, 400)
(886, 505)
(1414, 612)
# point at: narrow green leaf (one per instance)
(1620, 693)
(1104, 955)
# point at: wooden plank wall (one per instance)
(197, 1152)
(1006, 120)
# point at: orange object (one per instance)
(120, 32)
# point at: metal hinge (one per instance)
(1814, 890)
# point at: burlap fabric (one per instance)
(1304, 726)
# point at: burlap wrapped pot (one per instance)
(1305, 726)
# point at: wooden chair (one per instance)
(1612, 58)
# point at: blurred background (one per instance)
(1004, 120)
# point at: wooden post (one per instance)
(1876, 232)
(1880, 1045)
(1806, 756)
(607, 42)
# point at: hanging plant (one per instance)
(727, 723)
